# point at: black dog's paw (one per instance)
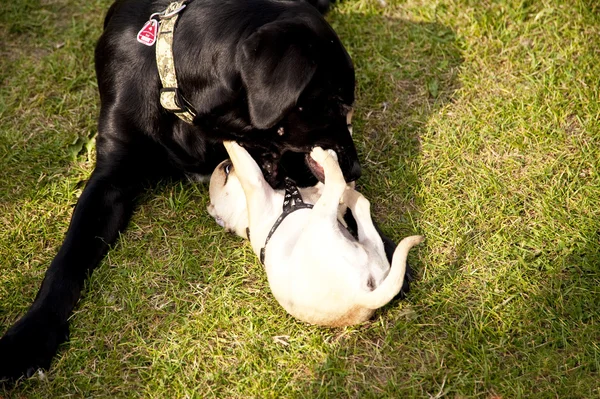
(29, 345)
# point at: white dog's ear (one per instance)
(277, 64)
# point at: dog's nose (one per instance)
(354, 172)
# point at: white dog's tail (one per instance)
(392, 284)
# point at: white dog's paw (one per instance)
(320, 155)
(333, 155)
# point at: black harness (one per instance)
(292, 201)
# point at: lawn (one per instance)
(478, 125)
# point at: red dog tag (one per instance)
(147, 35)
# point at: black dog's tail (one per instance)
(321, 5)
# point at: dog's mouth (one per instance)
(290, 165)
(315, 168)
(300, 167)
(220, 221)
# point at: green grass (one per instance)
(478, 123)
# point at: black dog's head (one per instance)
(299, 83)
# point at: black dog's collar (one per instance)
(170, 96)
(292, 201)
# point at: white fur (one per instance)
(316, 271)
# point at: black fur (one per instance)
(249, 68)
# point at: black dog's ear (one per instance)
(278, 62)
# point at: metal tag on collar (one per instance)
(147, 35)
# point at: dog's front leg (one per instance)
(246, 168)
(335, 184)
(259, 194)
(361, 209)
(102, 211)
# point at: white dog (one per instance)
(317, 271)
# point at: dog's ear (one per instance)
(278, 62)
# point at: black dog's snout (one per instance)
(353, 172)
(348, 158)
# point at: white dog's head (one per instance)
(227, 200)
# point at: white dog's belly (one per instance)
(318, 285)
(322, 304)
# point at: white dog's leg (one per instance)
(259, 194)
(327, 205)
(361, 210)
(246, 168)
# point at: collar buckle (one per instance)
(173, 101)
(168, 14)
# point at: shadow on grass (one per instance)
(406, 71)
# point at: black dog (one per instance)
(270, 74)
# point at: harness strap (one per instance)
(292, 201)
(170, 97)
